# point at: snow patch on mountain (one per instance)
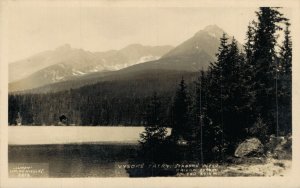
(147, 58)
(58, 78)
(77, 72)
(117, 67)
(93, 70)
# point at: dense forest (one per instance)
(244, 93)
(109, 102)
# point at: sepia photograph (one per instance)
(154, 90)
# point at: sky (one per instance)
(31, 29)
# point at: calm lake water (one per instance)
(31, 135)
(71, 160)
(73, 151)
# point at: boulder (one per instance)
(249, 147)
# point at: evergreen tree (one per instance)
(249, 45)
(216, 87)
(225, 117)
(285, 53)
(284, 81)
(152, 139)
(232, 95)
(216, 99)
(180, 113)
(264, 69)
(246, 73)
(199, 140)
(234, 103)
(13, 108)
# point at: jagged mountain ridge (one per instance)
(66, 63)
(192, 55)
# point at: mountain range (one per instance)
(65, 67)
(65, 63)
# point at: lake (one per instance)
(64, 152)
(70, 160)
(71, 151)
(31, 135)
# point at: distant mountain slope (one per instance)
(206, 40)
(192, 55)
(112, 76)
(65, 63)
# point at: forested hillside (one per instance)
(110, 102)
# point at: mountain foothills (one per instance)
(66, 63)
(72, 68)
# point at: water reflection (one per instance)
(85, 160)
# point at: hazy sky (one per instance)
(30, 30)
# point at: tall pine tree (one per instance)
(216, 98)
(264, 70)
(232, 96)
(284, 77)
(180, 113)
(196, 119)
(249, 45)
(152, 139)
